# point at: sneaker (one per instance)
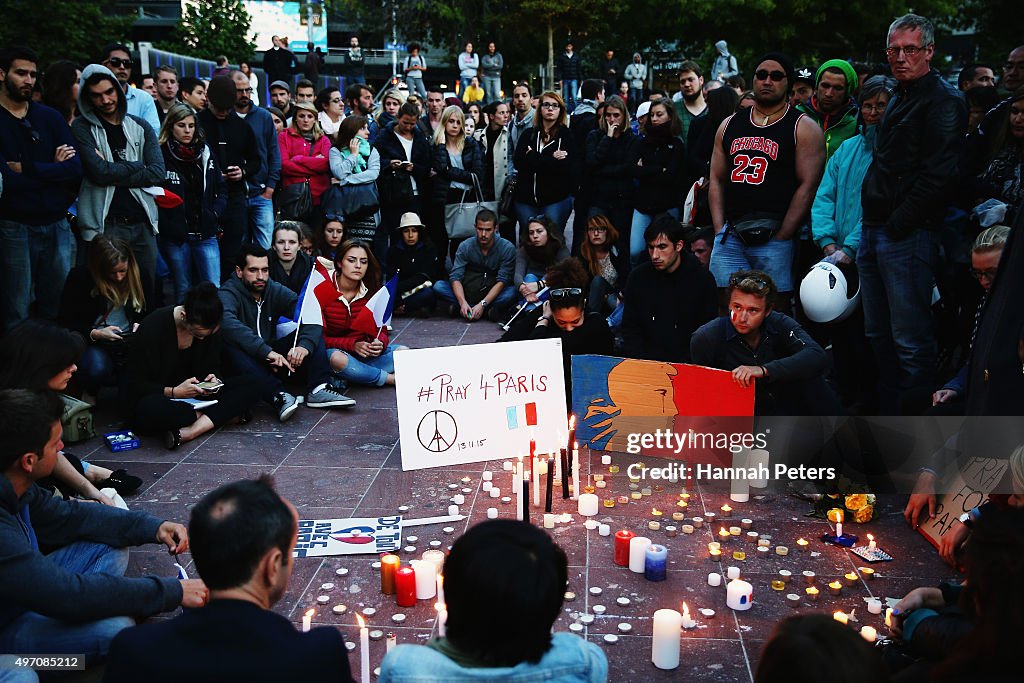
(285, 404)
(122, 482)
(325, 396)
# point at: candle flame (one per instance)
(572, 421)
(575, 445)
(801, 541)
(686, 611)
(310, 612)
(362, 623)
(870, 537)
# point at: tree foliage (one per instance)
(209, 28)
(62, 29)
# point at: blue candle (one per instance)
(655, 563)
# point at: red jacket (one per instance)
(299, 162)
(346, 322)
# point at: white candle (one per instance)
(839, 524)
(453, 509)
(536, 481)
(426, 583)
(871, 542)
(757, 460)
(549, 520)
(869, 634)
(874, 606)
(517, 485)
(440, 588)
(739, 489)
(688, 621)
(665, 643)
(458, 499)
(604, 530)
(364, 650)
(714, 579)
(576, 470)
(495, 492)
(442, 620)
(486, 486)
(638, 553)
(587, 504)
(307, 620)
(492, 513)
(739, 595)
(732, 573)
(487, 475)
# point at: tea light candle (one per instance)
(307, 620)
(687, 528)
(715, 555)
(622, 601)
(398, 618)
(714, 545)
(622, 500)
(840, 617)
(458, 499)
(576, 627)
(698, 522)
(598, 609)
(622, 539)
(710, 517)
(487, 475)
(609, 502)
(610, 638)
(549, 520)
(604, 530)
(802, 544)
(656, 563)
(623, 627)
(792, 599)
(706, 612)
(341, 571)
(732, 573)
(778, 585)
(762, 551)
(339, 609)
(426, 579)
(636, 495)
(739, 555)
(763, 543)
(714, 579)
(781, 550)
(601, 484)
(671, 531)
(874, 606)
(739, 595)
(613, 469)
(835, 587)
(566, 518)
(726, 510)
(808, 577)
(606, 460)
(637, 553)
(507, 466)
(678, 516)
(735, 531)
(645, 491)
(682, 504)
(487, 486)
(388, 566)
(851, 578)
(653, 525)
(785, 575)
(492, 513)
(495, 492)
(688, 621)
(869, 633)
(867, 572)
(723, 533)
(655, 512)
(812, 593)
(752, 536)
(596, 590)
(590, 524)
(666, 642)
(746, 523)
(323, 599)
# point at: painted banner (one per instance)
(357, 536)
(965, 489)
(464, 404)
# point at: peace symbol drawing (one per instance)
(437, 431)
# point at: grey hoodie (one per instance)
(517, 128)
(143, 165)
(251, 325)
(725, 63)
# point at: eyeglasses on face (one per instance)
(765, 74)
(550, 105)
(335, 100)
(117, 62)
(243, 91)
(979, 275)
(874, 108)
(539, 218)
(565, 293)
(909, 51)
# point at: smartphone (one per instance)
(210, 386)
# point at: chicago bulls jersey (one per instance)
(761, 166)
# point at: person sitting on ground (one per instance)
(242, 537)
(700, 242)
(289, 264)
(253, 303)
(74, 599)
(357, 347)
(331, 235)
(481, 276)
(667, 298)
(541, 244)
(755, 342)
(104, 301)
(416, 263)
(516, 564)
(40, 356)
(174, 362)
(804, 645)
(607, 266)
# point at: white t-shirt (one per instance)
(407, 146)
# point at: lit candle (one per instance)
(714, 545)
(426, 579)
(739, 595)
(688, 621)
(622, 539)
(802, 544)
(364, 650)
(812, 593)
(655, 563)
(869, 634)
(307, 620)
(517, 487)
(867, 572)
(572, 433)
(851, 578)
(665, 643)
(388, 565)
(726, 510)
(888, 617)
(575, 470)
(839, 525)
(715, 555)
(535, 464)
(655, 512)
(871, 542)
(840, 617)
(835, 588)
(551, 483)
(723, 533)
(638, 553)
(405, 587)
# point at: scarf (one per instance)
(363, 156)
(189, 152)
(660, 132)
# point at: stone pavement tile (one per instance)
(325, 449)
(712, 661)
(363, 420)
(188, 482)
(323, 486)
(263, 449)
(149, 472)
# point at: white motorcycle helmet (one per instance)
(825, 295)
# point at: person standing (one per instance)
(414, 66)
(689, 100)
(41, 172)
(140, 103)
(355, 63)
(636, 77)
(832, 106)
(904, 196)
(522, 113)
(166, 89)
(265, 180)
(278, 62)
(491, 65)
(725, 63)
(567, 73)
(311, 66)
(469, 65)
(611, 71)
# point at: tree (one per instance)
(209, 28)
(62, 29)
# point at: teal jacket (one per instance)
(836, 211)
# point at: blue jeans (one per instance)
(774, 258)
(96, 369)
(557, 212)
(569, 89)
(416, 83)
(33, 257)
(492, 88)
(424, 298)
(636, 96)
(505, 298)
(372, 371)
(261, 221)
(194, 255)
(896, 280)
(32, 633)
(637, 243)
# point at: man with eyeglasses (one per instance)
(904, 198)
(759, 345)
(262, 181)
(117, 58)
(832, 106)
(40, 171)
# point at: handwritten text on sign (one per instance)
(967, 488)
(366, 535)
(471, 403)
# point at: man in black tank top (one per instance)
(765, 168)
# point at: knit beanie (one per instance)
(852, 81)
(783, 60)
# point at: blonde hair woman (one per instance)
(305, 154)
(459, 163)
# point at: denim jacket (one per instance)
(570, 660)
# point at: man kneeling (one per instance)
(243, 535)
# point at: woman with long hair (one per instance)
(1003, 174)
(548, 163)
(329, 237)
(60, 88)
(188, 232)
(474, 110)
(305, 154)
(357, 348)
(541, 244)
(280, 121)
(606, 267)
(356, 166)
(104, 301)
(332, 110)
(459, 165)
(289, 265)
(658, 167)
(610, 152)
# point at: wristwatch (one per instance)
(483, 303)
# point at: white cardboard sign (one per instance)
(463, 404)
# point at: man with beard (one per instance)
(141, 103)
(281, 97)
(689, 100)
(41, 173)
(522, 116)
(432, 118)
(262, 184)
(765, 167)
(359, 100)
(832, 105)
(252, 305)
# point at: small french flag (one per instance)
(521, 416)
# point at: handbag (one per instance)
(507, 198)
(757, 231)
(394, 187)
(295, 202)
(359, 201)
(460, 219)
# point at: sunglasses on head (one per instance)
(765, 74)
(118, 62)
(565, 293)
(748, 281)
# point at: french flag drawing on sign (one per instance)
(521, 416)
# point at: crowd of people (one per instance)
(155, 241)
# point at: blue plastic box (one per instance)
(121, 441)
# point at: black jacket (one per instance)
(233, 143)
(567, 68)
(203, 205)
(473, 168)
(609, 163)
(916, 155)
(81, 307)
(390, 147)
(251, 325)
(662, 310)
(542, 179)
(414, 265)
(301, 269)
(279, 64)
(155, 361)
(661, 174)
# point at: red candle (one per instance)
(405, 587)
(388, 564)
(622, 539)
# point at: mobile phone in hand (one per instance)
(210, 386)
